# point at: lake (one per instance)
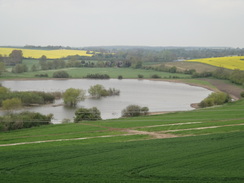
(156, 95)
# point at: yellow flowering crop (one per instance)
(232, 62)
(51, 54)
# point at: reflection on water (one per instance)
(156, 95)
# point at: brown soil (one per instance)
(233, 90)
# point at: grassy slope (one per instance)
(206, 158)
(213, 158)
(229, 114)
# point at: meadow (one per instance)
(83, 71)
(51, 54)
(232, 62)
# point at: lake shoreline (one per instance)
(215, 87)
(190, 82)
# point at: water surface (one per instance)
(156, 95)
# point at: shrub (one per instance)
(191, 71)
(242, 94)
(140, 76)
(155, 76)
(237, 77)
(91, 114)
(47, 97)
(98, 91)
(41, 75)
(11, 104)
(20, 68)
(120, 77)
(172, 69)
(134, 110)
(72, 96)
(60, 74)
(144, 110)
(215, 99)
(66, 120)
(3, 90)
(97, 76)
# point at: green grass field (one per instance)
(82, 72)
(207, 147)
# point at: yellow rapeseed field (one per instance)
(232, 62)
(51, 54)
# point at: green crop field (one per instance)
(213, 158)
(204, 145)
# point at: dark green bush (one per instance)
(91, 114)
(140, 76)
(134, 110)
(242, 94)
(120, 77)
(97, 76)
(155, 76)
(41, 75)
(60, 74)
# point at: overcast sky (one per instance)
(122, 22)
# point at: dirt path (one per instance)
(173, 124)
(201, 128)
(128, 132)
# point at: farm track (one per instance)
(129, 132)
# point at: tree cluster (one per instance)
(98, 91)
(91, 114)
(23, 120)
(134, 110)
(235, 76)
(218, 98)
(15, 57)
(72, 96)
(27, 98)
(20, 68)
